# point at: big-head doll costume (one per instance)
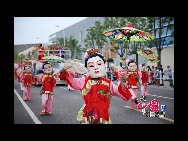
(48, 81)
(132, 81)
(27, 82)
(144, 74)
(96, 90)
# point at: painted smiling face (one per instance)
(47, 68)
(132, 66)
(96, 67)
(27, 69)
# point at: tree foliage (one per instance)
(159, 26)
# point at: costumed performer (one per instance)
(132, 81)
(144, 80)
(41, 53)
(48, 81)
(96, 89)
(118, 71)
(27, 78)
(20, 76)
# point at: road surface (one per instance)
(66, 105)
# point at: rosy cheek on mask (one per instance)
(100, 64)
(90, 66)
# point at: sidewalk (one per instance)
(165, 87)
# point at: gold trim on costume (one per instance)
(46, 76)
(134, 86)
(89, 84)
(88, 87)
(48, 92)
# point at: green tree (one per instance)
(99, 38)
(21, 57)
(90, 38)
(74, 48)
(29, 55)
(60, 41)
(94, 37)
(160, 26)
(72, 45)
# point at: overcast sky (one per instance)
(37, 29)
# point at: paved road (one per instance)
(66, 105)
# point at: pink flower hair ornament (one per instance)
(86, 55)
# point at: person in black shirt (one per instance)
(161, 69)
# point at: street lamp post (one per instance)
(63, 33)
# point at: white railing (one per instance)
(164, 77)
(49, 52)
(59, 52)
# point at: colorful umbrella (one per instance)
(122, 59)
(129, 34)
(151, 57)
(151, 60)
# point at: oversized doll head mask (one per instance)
(96, 64)
(47, 67)
(142, 67)
(132, 65)
(27, 68)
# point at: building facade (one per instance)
(79, 32)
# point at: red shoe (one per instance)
(47, 113)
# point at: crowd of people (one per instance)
(155, 73)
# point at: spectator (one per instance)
(148, 68)
(169, 73)
(161, 69)
(151, 73)
(156, 76)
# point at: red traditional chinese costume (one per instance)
(144, 82)
(132, 79)
(97, 93)
(48, 81)
(27, 78)
(41, 53)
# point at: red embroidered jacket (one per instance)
(27, 78)
(48, 81)
(132, 79)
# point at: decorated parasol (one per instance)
(129, 34)
(151, 57)
(122, 59)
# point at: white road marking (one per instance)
(159, 96)
(35, 119)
